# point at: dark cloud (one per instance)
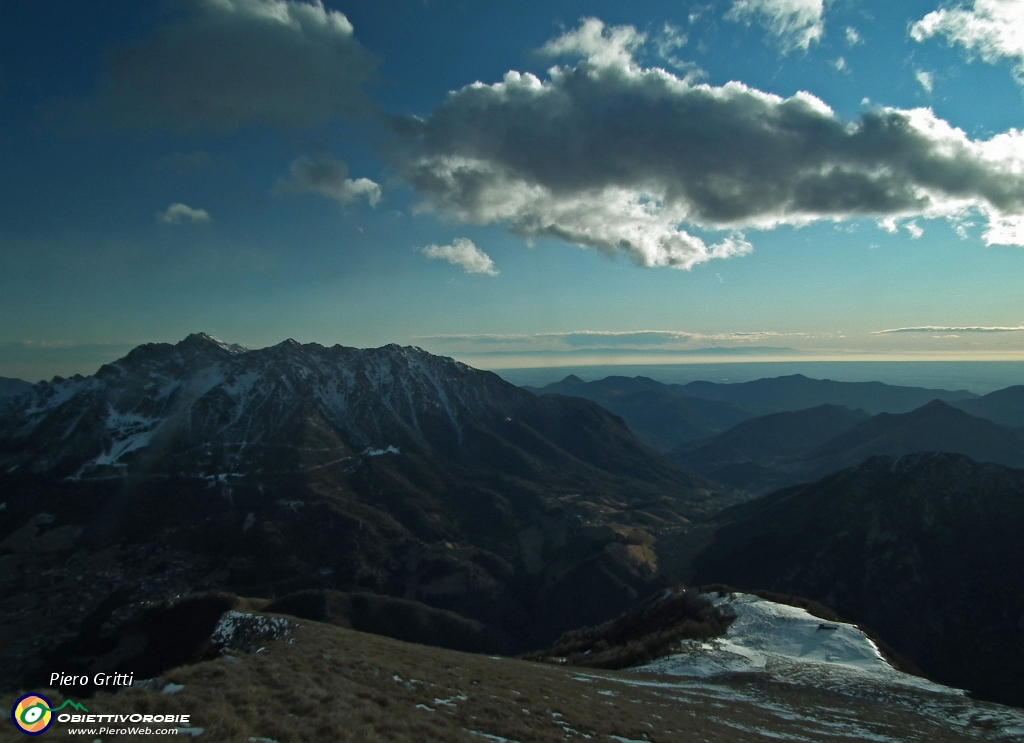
(228, 63)
(610, 155)
(328, 177)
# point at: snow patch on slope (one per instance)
(788, 644)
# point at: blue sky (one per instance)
(514, 184)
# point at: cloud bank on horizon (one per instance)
(547, 158)
(948, 329)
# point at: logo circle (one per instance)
(31, 714)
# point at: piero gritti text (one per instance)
(99, 679)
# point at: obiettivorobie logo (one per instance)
(33, 715)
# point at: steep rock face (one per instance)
(203, 466)
(925, 549)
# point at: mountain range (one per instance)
(204, 466)
(797, 392)
(668, 416)
(393, 490)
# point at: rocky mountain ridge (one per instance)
(203, 466)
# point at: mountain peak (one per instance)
(573, 379)
(206, 341)
(937, 407)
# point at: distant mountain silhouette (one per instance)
(797, 392)
(10, 387)
(1004, 406)
(782, 449)
(659, 414)
(926, 549)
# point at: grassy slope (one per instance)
(335, 684)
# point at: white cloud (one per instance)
(889, 225)
(327, 176)
(462, 252)
(925, 80)
(994, 29)
(796, 23)
(603, 46)
(914, 229)
(609, 155)
(180, 213)
(228, 63)
(948, 329)
(840, 64)
(853, 36)
(1004, 230)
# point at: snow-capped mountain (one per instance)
(212, 406)
(205, 466)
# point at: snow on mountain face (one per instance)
(788, 644)
(209, 403)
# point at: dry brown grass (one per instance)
(334, 684)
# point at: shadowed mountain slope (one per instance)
(202, 466)
(10, 387)
(767, 452)
(782, 449)
(925, 549)
(932, 427)
(1004, 406)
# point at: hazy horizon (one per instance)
(977, 376)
